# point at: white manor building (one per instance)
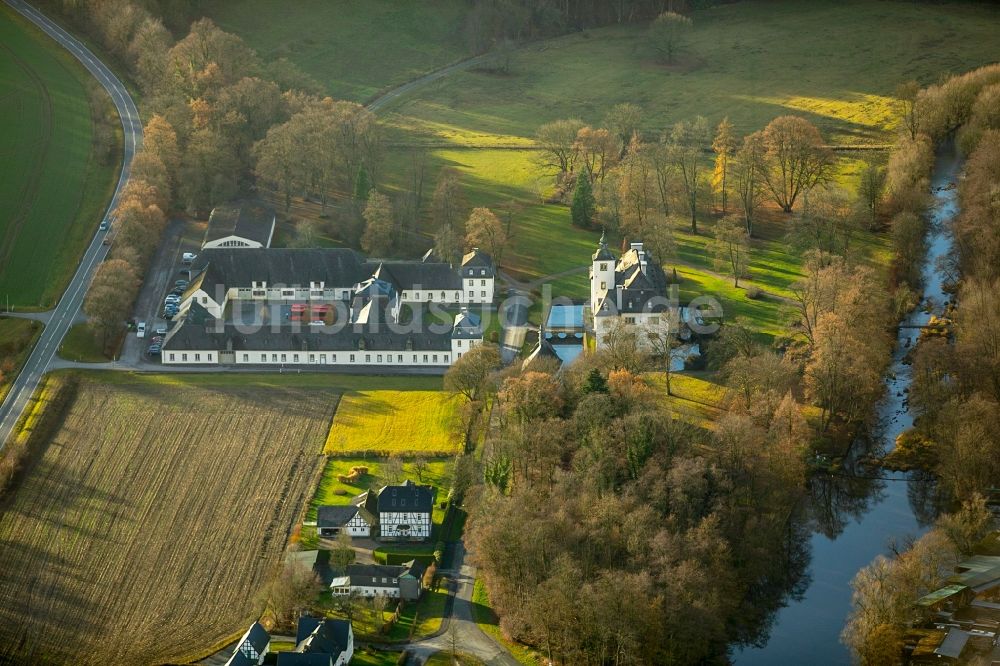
(327, 307)
(632, 289)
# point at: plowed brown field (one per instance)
(147, 527)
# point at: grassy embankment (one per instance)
(54, 198)
(159, 504)
(17, 338)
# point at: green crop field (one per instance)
(355, 49)
(54, 191)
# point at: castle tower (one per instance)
(602, 273)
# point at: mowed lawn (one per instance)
(354, 48)
(157, 510)
(395, 422)
(53, 191)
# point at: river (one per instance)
(857, 518)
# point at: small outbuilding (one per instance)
(245, 224)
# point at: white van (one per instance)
(140, 329)
(188, 257)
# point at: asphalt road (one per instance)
(61, 318)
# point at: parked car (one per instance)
(176, 291)
(140, 329)
(161, 329)
(182, 284)
(158, 340)
(172, 298)
(154, 350)
(188, 257)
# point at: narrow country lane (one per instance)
(461, 626)
(63, 315)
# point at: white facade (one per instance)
(379, 587)
(369, 357)
(404, 525)
(355, 527)
(232, 241)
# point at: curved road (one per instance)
(61, 318)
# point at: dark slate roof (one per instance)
(426, 275)
(240, 659)
(406, 497)
(229, 267)
(953, 644)
(363, 574)
(642, 291)
(335, 516)
(257, 636)
(336, 267)
(316, 635)
(476, 261)
(542, 350)
(468, 326)
(306, 659)
(249, 219)
(305, 338)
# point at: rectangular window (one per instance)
(472, 294)
(368, 358)
(483, 283)
(274, 358)
(414, 358)
(184, 357)
(246, 357)
(284, 357)
(263, 358)
(399, 358)
(312, 358)
(352, 358)
(197, 357)
(484, 294)
(295, 358)
(171, 357)
(604, 285)
(446, 358)
(458, 344)
(425, 358)
(380, 358)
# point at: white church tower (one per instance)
(602, 274)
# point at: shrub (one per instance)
(439, 552)
(753, 292)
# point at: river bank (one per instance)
(855, 513)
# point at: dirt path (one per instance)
(392, 95)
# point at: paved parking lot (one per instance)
(166, 268)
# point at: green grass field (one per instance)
(354, 48)
(395, 422)
(836, 63)
(54, 190)
(17, 337)
(80, 344)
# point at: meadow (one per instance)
(835, 63)
(157, 509)
(55, 187)
(355, 49)
(387, 422)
